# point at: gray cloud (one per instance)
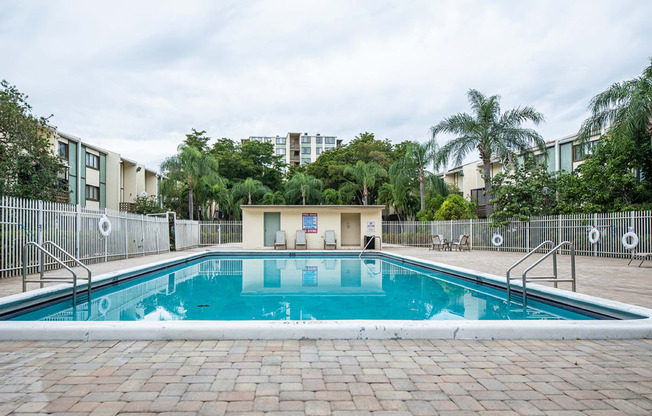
(136, 76)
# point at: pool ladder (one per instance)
(64, 279)
(554, 278)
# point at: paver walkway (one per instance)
(327, 377)
(342, 377)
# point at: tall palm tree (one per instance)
(492, 133)
(625, 110)
(304, 187)
(366, 175)
(415, 162)
(189, 166)
(250, 188)
(227, 200)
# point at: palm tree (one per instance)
(625, 109)
(492, 133)
(250, 188)
(415, 163)
(227, 200)
(304, 187)
(366, 175)
(189, 166)
(275, 198)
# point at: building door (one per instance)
(350, 229)
(272, 225)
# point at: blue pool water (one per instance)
(301, 288)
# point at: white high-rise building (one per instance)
(297, 148)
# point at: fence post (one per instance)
(219, 233)
(126, 235)
(78, 225)
(527, 237)
(41, 267)
(595, 246)
(471, 233)
(560, 240)
(106, 241)
(142, 242)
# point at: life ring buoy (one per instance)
(594, 235)
(104, 305)
(497, 240)
(630, 234)
(105, 226)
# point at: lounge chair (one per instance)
(462, 243)
(329, 240)
(640, 256)
(301, 240)
(438, 241)
(279, 241)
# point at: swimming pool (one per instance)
(311, 295)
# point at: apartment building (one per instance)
(564, 154)
(99, 178)
(297, 148)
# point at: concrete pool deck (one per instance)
(341, 377)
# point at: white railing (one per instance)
(526, 235)
(186, 234)
(75, 229)
(221, 233)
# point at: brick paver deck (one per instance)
(341, 377)
(327, 377)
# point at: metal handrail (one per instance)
(76, 261)
(521, 261)
(367, 245)
(554, 262)
(51, 278)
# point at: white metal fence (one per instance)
(221, 233)
(186, 234)
(75, 229)
(525, 235)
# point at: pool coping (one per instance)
(328, 329)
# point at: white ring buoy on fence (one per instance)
(497, 240)
(104, 305)
(105, 226)
(594, 235)
(630, 234)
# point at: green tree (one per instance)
(275, 198)
(146, 205)
(198, 140)
(415, 162)
(28, 167)
(492, 133)
(303, 188)
(525, 191)
(250, 189)
(190, 167)
(455, 207)
(366, 175)
(227, 200)
(625, 111)
(330, 197)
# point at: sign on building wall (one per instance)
(371, 226)
(310, 223)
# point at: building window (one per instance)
(305, 139)
(280, 151)
(329, 140)
(305, 150)
(92, 193)
(92, 161)
(62, 150)
(280, 140)
(318, 151)
(581, 151)
(268, 139)
(305, 160)
(318, 140)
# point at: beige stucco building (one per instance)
(351, 224)
(99, 178)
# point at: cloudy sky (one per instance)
(135, 76)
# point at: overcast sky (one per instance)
(135, 76)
